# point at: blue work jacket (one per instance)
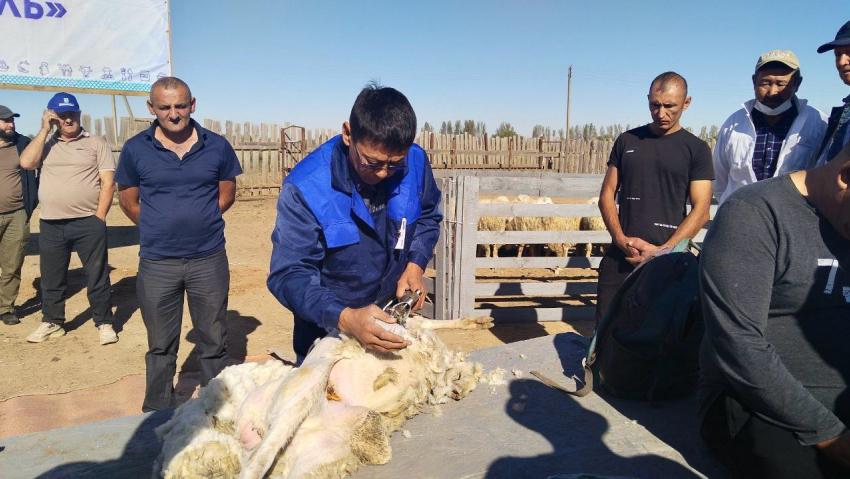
(326, 252)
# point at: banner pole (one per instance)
(115, 119)
(170, 56)
(129, 110)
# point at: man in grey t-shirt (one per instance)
(775, 277)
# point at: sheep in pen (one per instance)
(324, 419)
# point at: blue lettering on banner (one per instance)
(56, 9)
(33, 10)
(12, 8)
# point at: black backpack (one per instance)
(646, 346)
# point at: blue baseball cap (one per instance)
(62, 102)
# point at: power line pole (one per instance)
(567, 133)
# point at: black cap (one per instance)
(841, 38)
(5, 112)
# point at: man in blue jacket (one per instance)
(357, 223)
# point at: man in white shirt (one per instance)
(773, 134)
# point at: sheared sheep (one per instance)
(323, 419)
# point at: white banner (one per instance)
(111, 46)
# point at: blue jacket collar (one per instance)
(343, 180)
(343, 176)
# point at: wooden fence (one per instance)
(268, 152)
(459, 292)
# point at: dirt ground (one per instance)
(256, 321)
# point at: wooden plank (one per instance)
(109, 131)
(443, 257)
(542, 237)
(583, 186)
(546, 237)
(255, 165)
(455, 239)
(531, 315)
(532, 262)
(468, 223)
(521, 210)
(534, 289)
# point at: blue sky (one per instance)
(304, 62)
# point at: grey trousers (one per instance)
(14, 234)
(161, 285)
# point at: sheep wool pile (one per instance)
(325, 419)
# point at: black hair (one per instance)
(382, 117)
(169, 83)
(667, 80)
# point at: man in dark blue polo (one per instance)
(176, 180)
(357, 223)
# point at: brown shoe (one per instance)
(9, 319)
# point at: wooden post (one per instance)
(452, 153)
(567, 133)
(466, 243)
(443, 283)
(487, 148)
(510, 152)
(540, 158)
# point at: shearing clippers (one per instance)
(400, 309)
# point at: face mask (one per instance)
(773, 111)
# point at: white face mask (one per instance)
(773, 111)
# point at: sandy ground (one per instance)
(256, 321)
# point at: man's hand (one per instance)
(362, 324)
(411, 280)
(625, 244)
(101, 217)
(48, 119)
(837, 449)
(643, 248)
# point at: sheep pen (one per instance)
(533, 223)
(324, 419)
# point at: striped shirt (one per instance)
(769, 141)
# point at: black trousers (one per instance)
(752, 448)
(613, 270)
(161, 285)
(56, 240)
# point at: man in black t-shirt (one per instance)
(655, 169)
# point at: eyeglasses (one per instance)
(379, 165)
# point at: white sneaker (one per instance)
(46, 331)
(107, 334)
